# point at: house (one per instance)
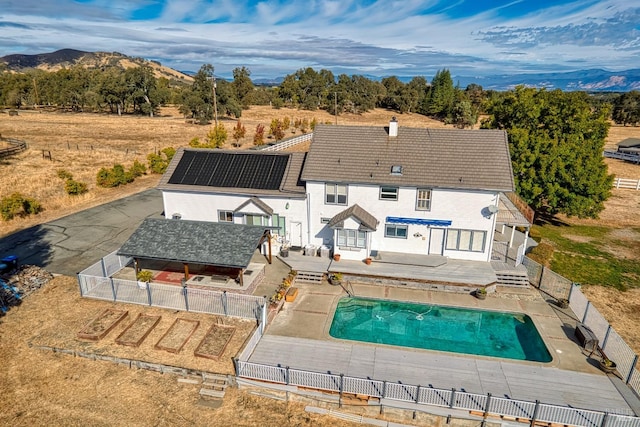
(358, 191)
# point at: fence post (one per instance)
(113, 289)
(263, 323)
(104, 268)
(586, 311)
(486, 406)
(80, 283)
(540, 280)
(286, 375)
(418, 394)
(604, 419)
(571, 291)
(224, 302)
(535, 413)
(453, 398)
(633, 367)
(384, 389)
(606, 337)
(186, 298)
(149, 293)
(341, 383)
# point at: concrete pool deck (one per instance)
(298, 337)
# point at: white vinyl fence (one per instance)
(283, 145)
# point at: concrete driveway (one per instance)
(70, 244)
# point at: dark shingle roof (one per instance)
(629, 143)
(366, 220)
(236, 172)
(438, 158)
(197, 242)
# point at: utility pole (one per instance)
(215, 103)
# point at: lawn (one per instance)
(593, 254)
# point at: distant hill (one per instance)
(54, 61)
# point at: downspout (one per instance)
(308, 218)
(493, 227)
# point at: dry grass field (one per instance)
(42, 388)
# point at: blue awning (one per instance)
(418, 221)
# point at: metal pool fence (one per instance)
(96, 282)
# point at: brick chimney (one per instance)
(393, 128)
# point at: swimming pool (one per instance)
(433, 327)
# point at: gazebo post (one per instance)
(241, 277)
(186, 271)
(269, 238)
(136, 266)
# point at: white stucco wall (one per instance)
(199, 206)
(466, 210)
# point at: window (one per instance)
(351, 238)
(397, 231)
(278, 221)
(388, 193)
(335, 194)
(255, 219)
(466, 240)
(225, 216)
(423, 200)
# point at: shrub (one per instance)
(64, 174)
(75, 188)
(145, 276)
(114, 177)
(18, 205)
(138, 169)
(542, 254)
(159, 164)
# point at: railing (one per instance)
(609, 340)
(635, 158)
(16, 147)
(96, 282)
(283, 145)
(521, 205)
(633, 184)
(455, 399)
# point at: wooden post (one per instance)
(241, 277)
(186, 271)
(136, 267)
(269, 239)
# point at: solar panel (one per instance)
(230, 170)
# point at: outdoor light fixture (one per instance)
(286, 206)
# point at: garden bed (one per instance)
(138, 330)
(177, 335)
(215, 341)
(101, 325)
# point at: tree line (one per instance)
(556, 138)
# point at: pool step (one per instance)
(309, 276)
(512, 277)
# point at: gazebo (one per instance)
(224, 245)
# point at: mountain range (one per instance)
(591, 80)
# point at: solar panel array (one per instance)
(231, 170)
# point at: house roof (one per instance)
(366, 220)
(236, 172)
(436, 158)
(197, 242)
(629, 143)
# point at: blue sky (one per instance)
(379, 38)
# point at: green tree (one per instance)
(197, 100)
(217, 136)
(243, 86)
(556, 141)
(626, 109)
(442, 95)
(276, 129)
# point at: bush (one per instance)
(145, 276)
(542, 254)
(138, 169)
(64, 174)
(75, 188)
(114, 177)
(18, 205)
(159, 164)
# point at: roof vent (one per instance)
(393, 128)
(396, 170)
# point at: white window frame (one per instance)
(466, 240)
(348, 238)
(395, 228)
(335, 191)
(423, 203)
(223, 215)
(388, 193)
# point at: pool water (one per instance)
(433, 327)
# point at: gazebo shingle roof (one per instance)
(366, 220)
(196, 242)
